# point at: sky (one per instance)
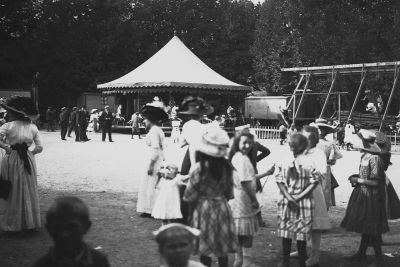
(257, 1)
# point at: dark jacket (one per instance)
(81, 117)
(64, 117)
(89, 258)
(72, 118)
(106, 119)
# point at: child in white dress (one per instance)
(167, 204)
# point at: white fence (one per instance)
(266, 132)
(395, 141)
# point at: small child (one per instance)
(67, 222)
(175, 244)
(167, 204)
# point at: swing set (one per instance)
(334, 71)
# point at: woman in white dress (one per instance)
(19, 167)
(153, 117)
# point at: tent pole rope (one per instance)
(334, 74)
(396, 77)
(363, 75)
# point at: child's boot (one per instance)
(238, 257)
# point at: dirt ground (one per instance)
(107, 175)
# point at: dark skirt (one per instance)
(366, 213)
(393, 203)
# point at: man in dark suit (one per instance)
(64, 119)
(82, 121)
(106, 118)
(72, 121)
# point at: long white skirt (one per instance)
(22, 206)
(146, 196)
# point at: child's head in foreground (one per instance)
(67, 221)
(168, 170)
(176, 243)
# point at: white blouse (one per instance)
(18, 132)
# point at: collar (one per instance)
(84, 257)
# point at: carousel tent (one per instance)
(174, 68)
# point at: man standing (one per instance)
(72, 121)
(50, 119)
(106, 118)
(82, 122)
(64, 119)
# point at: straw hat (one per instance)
(215, 142)
(195, 106)
(367, 141)
(323, 124)
(154, 113)
(383, 142)
(21, 105)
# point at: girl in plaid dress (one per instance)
(245, 206)
(209, 189)
(295, 207)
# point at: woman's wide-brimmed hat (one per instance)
(323, 124)
(21, 105)
(367, 142)
(192, 105)
(154, 113)
(215, 142)
(246, 128)
(383, 142)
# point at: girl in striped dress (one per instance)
(296, 205)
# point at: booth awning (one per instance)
(174, 68)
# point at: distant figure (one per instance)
(135, 120)
(68, 222)
(252, 121)
(50, 119)
(292, 130)
(176, 132)
(94, 121)
(72, 122)
(282, 133)
(82, 121)
(349, 135)
(64, 120)
(106, 118)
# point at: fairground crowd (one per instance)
(208, 206)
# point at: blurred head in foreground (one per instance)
(176, 244)
(67, 222)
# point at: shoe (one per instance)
(145, 215)
(63, 139)
(294, 254)
(111, 141)
(356, 257)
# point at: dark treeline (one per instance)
(75, 44)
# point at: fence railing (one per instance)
(395, 141)
(266, 132)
